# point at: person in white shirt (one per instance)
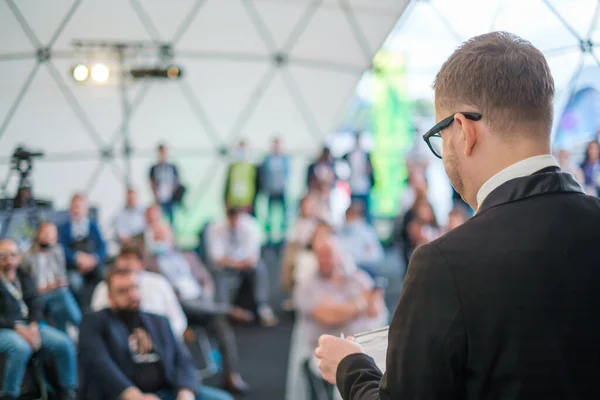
(130, 222)
(157, 294)
(234, 249)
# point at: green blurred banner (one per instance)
(392, 132)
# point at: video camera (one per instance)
(22, 159)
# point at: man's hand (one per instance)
(331, 351)
(31, 334)
(62, 282)
(86, 262)
(185, 394)
(150, 397)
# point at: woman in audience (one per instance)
(45, 263)
(299, 240)
(457, 216)
(423, 228)
(591, 168)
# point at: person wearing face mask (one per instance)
(21, 335)
(129, 354)
(45, 263)
(359, 239)
(241, 185)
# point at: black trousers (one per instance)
(213, 317)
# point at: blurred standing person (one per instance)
(275, 171)
(241, 185)
(591, 169)
(362, 176)
(85, 250)
(45, 263)
(164, 180)
(322, 169)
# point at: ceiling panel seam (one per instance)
(17, 102)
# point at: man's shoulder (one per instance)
(154, 279)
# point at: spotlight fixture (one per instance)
(81, 73)
(100, 73)
(170, 72)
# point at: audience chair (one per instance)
(34, 383)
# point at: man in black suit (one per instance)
(132, 355)
(505, 306)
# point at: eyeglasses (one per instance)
(433, 137)
(6, 256)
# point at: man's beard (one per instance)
(452, 170)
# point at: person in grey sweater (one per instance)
(45, 263)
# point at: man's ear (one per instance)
(468, 132)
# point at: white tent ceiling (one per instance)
(252, 68)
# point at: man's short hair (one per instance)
(131, 251)
(502, 76)
(113, 272)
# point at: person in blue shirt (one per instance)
(85, 250)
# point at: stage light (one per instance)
(100, 73)
(173, 72)
(81, 73)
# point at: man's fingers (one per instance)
(324, 339)
(318, 352)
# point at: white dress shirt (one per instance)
(240, 244)
(158, 298)
(520, 169)
(130, 222)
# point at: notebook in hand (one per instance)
(375, 344)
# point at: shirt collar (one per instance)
(522, 168)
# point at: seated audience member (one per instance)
(234, 250)
(335, 302)
(130, 224)
(457, 216)
(197, 301)
(419, 225)
(20, 334)
(320, 194)
(359, 238)
(45, 264)
(153, 216)
(566, 164)
(157, 295)
(130, 354)
(299, 240)
(84, 249)
(591, 169)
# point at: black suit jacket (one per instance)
(106, 361)
(507, 306)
